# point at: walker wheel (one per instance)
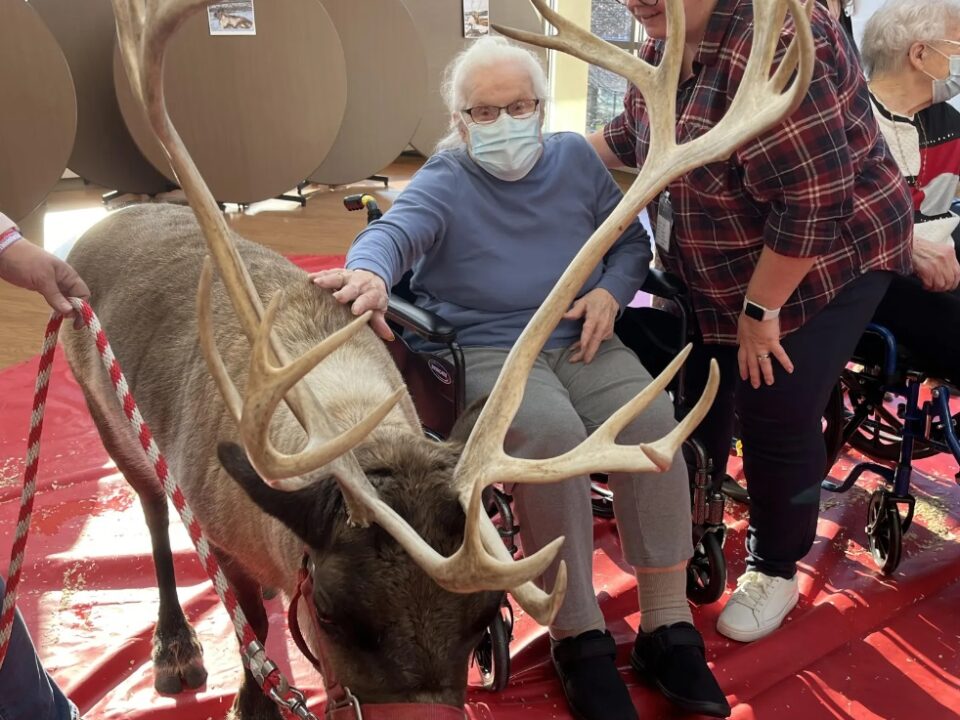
(707, 571)
(884, 532)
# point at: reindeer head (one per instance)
(457, 547)
(390, 632)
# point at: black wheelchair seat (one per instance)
(434, 382)
(882, 357)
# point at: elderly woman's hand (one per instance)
(31, 267)
(936, 265)
(598, 309)
(366, 290)
(759, 342)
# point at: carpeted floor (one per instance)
(859, 645)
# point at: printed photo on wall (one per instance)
(476, 18)
(232, 18)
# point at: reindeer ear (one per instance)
(311, 512)
(464, 425)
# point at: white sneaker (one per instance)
(757, 606)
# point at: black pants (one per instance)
(926, 323)
(784, 455)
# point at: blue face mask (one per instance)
(507, 148)
(949, 86)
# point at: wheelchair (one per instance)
(437, 388)
(879, 408)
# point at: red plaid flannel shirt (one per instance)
(822, 183)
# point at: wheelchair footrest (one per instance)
(886, 473)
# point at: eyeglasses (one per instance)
(486, 114)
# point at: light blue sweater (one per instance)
(485, 252)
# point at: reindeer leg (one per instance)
(177, 654)
(250, 702)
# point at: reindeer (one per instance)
(228, 21)
(320, 459)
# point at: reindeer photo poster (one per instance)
(232, 18)
(476, 18)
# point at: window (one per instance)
(605, 90)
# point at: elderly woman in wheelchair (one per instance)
(911, 52)
(487, 225)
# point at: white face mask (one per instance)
(949, 86)
(507, 148)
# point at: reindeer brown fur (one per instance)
(398, 636)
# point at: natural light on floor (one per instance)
(61, 229)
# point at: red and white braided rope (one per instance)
(14, 573)
(272, 681)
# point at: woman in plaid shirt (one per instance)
(786, 249)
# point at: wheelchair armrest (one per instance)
(888, 343)
(424, 323)
(663, 284)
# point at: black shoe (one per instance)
(672, 657)
(588, 671)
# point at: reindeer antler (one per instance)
(143, 33)
(761, 101)
(481, 563)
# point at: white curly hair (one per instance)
(482, 53)
(897, 24)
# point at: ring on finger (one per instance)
(763, 356)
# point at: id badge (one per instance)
(664, 227)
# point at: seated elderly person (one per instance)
(911, 52)
(488, 225)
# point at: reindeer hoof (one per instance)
(167, 680)
(178, 662)
(194, 675)
(171, 680)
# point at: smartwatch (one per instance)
(759, 312)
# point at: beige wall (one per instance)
(568, 111)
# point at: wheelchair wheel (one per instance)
(884, 532)
(499, 509)
(879, 435)
(492, 655)
(707, 571)
(601, 499)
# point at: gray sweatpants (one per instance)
(563, 403)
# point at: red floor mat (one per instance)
(859, 645)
